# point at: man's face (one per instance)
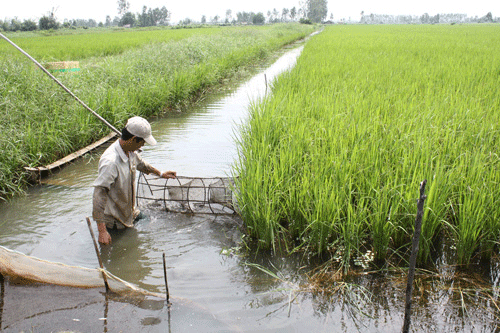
(134, 143)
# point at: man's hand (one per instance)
(169, 174)
(104, 236)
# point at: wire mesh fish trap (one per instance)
(187, 194)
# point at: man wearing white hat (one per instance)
(114, 188)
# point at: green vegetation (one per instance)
(148, 73)
(332, 160)
(66, 45)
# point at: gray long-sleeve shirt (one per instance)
(114, 188)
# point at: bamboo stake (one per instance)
(165, 276)
(62, 86)
(265, 79)
(413, 257)
(98, 255)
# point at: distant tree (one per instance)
(143, 18)
(28, 25)
(301, 13)
(49, 21)
(424, 19)
(15, 25)
(275, 15)
(284, 14)
(108, 21)
(434, 19)
(128, 19)
(163, 16)
(215, 19)
(244, 17)
(228, 15)
(116, 21)
(258, 19)
(153, 17)
(123, 6)
(293, 13)
(203, 19)
(159, 16)
(489, 17)
(316, 10)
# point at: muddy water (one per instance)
(220, 289)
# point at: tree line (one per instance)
(426, 19)
(309, 12)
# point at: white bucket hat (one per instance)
(141, 128)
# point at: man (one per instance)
(114, 188)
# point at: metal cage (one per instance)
(187, 194)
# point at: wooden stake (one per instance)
(98, 254)
(413, 257)
(165, 276)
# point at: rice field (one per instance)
(71, 45)
(331, 162)
(122, 74)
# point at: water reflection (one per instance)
(125, 256)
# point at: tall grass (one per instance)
(332, 161)
(39, 122)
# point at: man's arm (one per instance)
(99, 200)
(147, 168)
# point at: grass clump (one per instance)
(332, 161)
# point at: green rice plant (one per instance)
(45, 123)
(368, 113)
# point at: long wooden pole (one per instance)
(62, 85)
(98, 254)
(413, 257)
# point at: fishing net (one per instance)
(20, 267)
(187, 194)
(39, 293)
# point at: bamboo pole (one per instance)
(413, 257)
(62, 85)
(98, 254)
(165, 276)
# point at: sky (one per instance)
(194, 9)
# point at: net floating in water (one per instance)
(187, 194)
(19, 266)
